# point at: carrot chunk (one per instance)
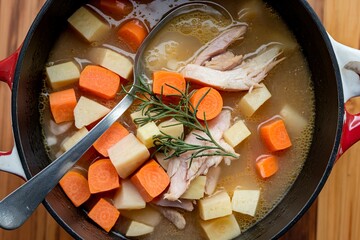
(133, 33)
(168, 83)
(104, 214)
(120, 8)
(275, 135)
(76, 187)
(102, 176)
(99, 81)
(62, 105)
(151, 180)
(267, 166)
(114, 134)
(208, 103)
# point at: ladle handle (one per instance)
(17, 207)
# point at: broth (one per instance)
(289, 84)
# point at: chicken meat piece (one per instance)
(225, 61)
(220, 44)
(244, 77)
(180, 170)
(184, 204)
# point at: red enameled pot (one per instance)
(335, 129)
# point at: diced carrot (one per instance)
(208, 103)
(104, 214)
(267, 166)
(133, 33)
(150, 180)
(120, 8)
(114, 134)
(76, 187)
(102, 176)
(62, 105)
(275, 136)
(168, 83)
(99, 81)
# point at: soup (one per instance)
(223, 154)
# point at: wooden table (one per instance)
(335, 215)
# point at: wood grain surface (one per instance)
(334, 216)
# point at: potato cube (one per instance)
(146, 133)
(88, 111)
(128, 154)
(245, 201)
(75, 138)
(294, 121)
(62, 74)
(138, 229)
(88, 24)
(196, 189)
(172, 127)
(236, 133)
(131, 228)
(147, 215)
(113, 61)
(214, 206)
(253, 100)
(223, 228)
(128, 197)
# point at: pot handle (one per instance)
(349, 65)
(10, 160)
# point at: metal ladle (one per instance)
(18, 206)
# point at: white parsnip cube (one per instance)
(88, 111)
(236, 133)
(75, 138)
(63, 74)
(223, 228)
(147, 215)
(172, 127)
(196, 189)
(294, 121)
(128, 197)
(214, 206)
(88, 24)
(113, 61)
(245, 201)
(253, 100)
(138, 229)
(128, 154)
(146, 133)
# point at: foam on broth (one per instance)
(289, 83)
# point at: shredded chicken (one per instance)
(184, 204)
(225, 61)
(220, 44)
(173, 216)
(180, 170)
(244, 77)
(353, 66)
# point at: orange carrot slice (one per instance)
(150, 180)
(62, 105)
(114, 134)
(75, 187)
(208, 102)
(104, 214)
(133, 33)
(275, 136)
(168, 83)
(267, 166)
(118, 7)
(99, 81)
(102, 176)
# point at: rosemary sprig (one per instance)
(154, 108)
